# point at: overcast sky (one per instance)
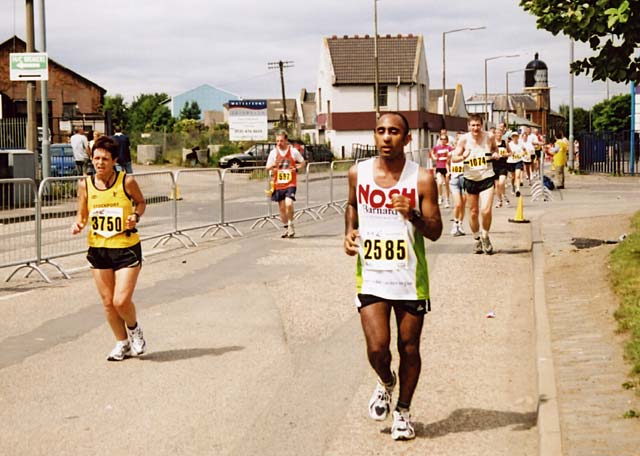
(131, 47)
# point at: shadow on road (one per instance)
(473, 419)
(187, 353)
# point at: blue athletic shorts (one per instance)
(279, 195)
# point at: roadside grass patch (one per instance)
(625, 279)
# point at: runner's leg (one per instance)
(105, 280)
(375, 325)
(409, 331)
(125, 285)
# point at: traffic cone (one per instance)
(519, 218)
(175, 194)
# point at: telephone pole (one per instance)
(282, 65)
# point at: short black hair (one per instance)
(404, 119)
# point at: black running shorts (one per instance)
(103, 258)
(414, 307)
(476, 187)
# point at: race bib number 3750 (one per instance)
(106, 221)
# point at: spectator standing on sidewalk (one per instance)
(392, 207)
(559, 151)
(476, 149)
(111, 203)
(284, 162)
(80, 147)
(124, 155)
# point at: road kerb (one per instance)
(550, 439)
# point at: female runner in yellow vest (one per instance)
(111, 203)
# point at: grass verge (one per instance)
(625, 277)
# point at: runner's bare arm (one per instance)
(132, 188)
(351, 216)
(83, 210)
(428, 221)
(429, 224)
(493, 144)
(458, 154)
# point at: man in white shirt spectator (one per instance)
(80, 146)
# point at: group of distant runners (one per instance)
(393, 205)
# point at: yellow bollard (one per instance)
(519, 218)
(175, 194)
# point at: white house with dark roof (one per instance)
(346, 79)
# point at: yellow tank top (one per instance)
(108, 212)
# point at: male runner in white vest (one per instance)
(393, 206)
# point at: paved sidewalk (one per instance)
(587, 352)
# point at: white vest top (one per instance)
(391, 263)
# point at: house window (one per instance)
(69, 110)
(382, 95)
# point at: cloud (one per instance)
(140, 46)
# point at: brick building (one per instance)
(73, 99)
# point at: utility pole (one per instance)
(282, 65)
(32, 135)
(376, 68)
(46, 159)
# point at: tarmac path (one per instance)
(255, 348)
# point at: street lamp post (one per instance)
(444, 104)
(486, 110)
(376, 88)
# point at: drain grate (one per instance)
(588, 243)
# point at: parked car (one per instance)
(318, 153)
(257, 155)
(62, 162)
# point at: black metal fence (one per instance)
(607, 152)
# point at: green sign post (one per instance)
(29, 66)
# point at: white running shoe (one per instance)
(446, 204)
(486, 245)
(402, 428)
(461, 232)
(439, 201)
(291, 232)
(138, 344)
(477, 246)
(454, 229)
(380, 402)
(285, 233)
(499, 204)
(121, 351)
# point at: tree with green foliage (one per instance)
(611, 27)
(612, 114)
(581, 118)
(149, 113)
(190, 111)
(118, 109)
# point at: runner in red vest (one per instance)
(285, 161)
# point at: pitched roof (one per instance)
(436, 94)
(500, 101)
(15, 44)
(353, 58)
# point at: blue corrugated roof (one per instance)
(209, 98)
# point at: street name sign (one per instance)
(29, 66)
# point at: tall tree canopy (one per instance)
(190, 111)
(612, 114)
(148, 112)
(611, 27)
(581, 118)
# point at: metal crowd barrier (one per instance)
(35, 222)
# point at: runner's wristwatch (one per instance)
(413, 215)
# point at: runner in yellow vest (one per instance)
(111, 203)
